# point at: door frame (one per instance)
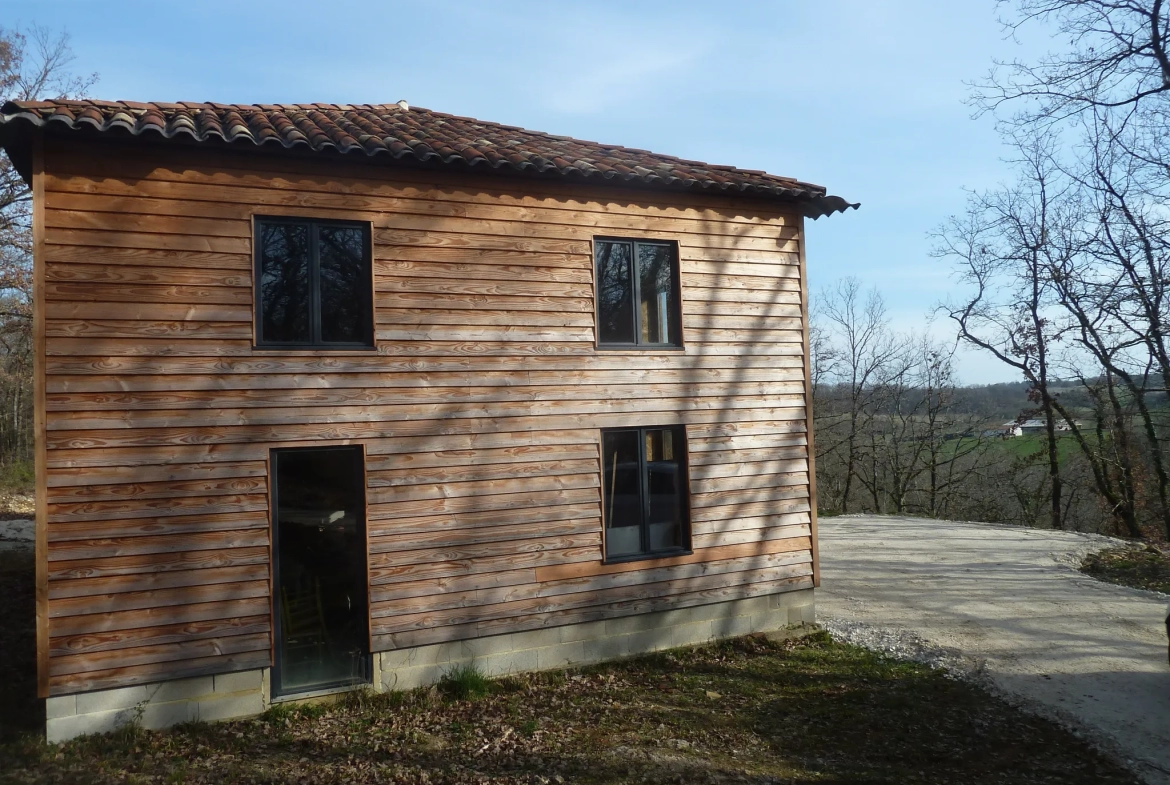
(275, 693)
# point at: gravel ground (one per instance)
(1007, 606)
(17, 534)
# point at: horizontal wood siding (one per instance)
(479, 410)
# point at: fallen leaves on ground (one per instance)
(1136, 566)
(742, 711)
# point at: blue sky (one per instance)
(865, 98)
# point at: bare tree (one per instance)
(856, 325)
(1117, 59)
(1003, 250)
(34, 63)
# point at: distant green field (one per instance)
(1022, 446)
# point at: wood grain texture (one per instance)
(40, 419)
(478, 410)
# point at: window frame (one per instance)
(314, 224)
(636, 294)
(687, 546)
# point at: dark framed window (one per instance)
(314, 284)
(637, 294)
(645, 492)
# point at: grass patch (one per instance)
(465, 682)
(17, 476)
(743, 711)
(1140, 567)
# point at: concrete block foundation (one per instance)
(247, 693)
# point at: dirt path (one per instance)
(1010, 603)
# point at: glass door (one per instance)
(319, 540)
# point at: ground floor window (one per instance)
(644, 492)
(322, 591)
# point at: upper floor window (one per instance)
(314, 284)
(637, 293)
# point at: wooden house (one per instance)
(342, 395)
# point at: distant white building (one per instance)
(1030, 427)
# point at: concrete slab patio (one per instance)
(1010, 604)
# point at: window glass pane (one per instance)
(656, 282)
(622, 493)
(321, 583)
(664, 449)
(285, 287)
(615, 293)
(344, 284)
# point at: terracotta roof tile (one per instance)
(414, 133)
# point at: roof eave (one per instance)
(18, 128)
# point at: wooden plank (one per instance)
(429, 316)
(500, 501)
(103, 255)
(145, 293)
(393, 540)
(40, 448)
(425, 595)
(743, 536)
(157, 562)
(490, 221)
(157, 508)
(747, 496)
(144, 526)
(468, 472)
(244, 382)
(90, 329)
(384, 524)
(773, 464)
(770, 522)
(706, 425)
(731, 410)
(332, 363)
(160, 653)
(482, 271)
(392, 448)
(811, 454)
(417, 553)
(737, 394)
(578, 616)
(156, 598)
(153, 636)
(108, 547)
(93, 623)
(147, 674)
(234, 201)
(483, 616)
(487, 564)
(114, 474)
(140, 488)
(141, 274)
(749, 481)
(106, 162)
(153, 243)
(501, 602)
(148, 581)
(164, 312)
(482, 489)
(561, 572)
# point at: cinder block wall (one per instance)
(246, 693)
